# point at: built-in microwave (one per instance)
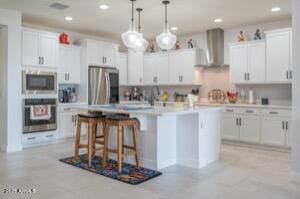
(39, 82)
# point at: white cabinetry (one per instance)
(135, 68)
(69, 64)
(254, 125)
(279, 54)
(100, 53)
(68, 122)
(122, 66)
(156, 69)
(241, 124)
(39, 49)
(182, 69)
(247, 62)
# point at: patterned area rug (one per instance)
(130, 173)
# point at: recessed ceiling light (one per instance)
(276, 9)
(103, 6)
(68, 18)
(218, 20)
(174, 28)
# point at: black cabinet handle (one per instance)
(287, 74)
(248, 76)
(240, 121)
(237, 121)
(287, 125)
(282, 125)
(291, 74)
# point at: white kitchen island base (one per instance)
(169, 136)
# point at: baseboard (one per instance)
(165, 164)
(11, 148)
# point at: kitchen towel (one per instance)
(40, 112)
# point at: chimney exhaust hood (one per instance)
(214, 56)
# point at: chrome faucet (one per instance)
(152, 98)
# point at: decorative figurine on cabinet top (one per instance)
(190, 44)
(241, 37)
(152, 48)
(177, 45)
(257, 35)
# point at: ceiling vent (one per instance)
(58, 6)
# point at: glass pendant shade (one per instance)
(141, 45)
(131, 37)
(166, 40)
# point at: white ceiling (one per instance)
(190, 16)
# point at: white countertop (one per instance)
(153, 111)
(270, 106)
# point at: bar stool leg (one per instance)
(90, 143)
(120, 148)
(105, 147)
(134, 133)
(94, 137)
(77, 142)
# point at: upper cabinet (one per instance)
(182, 68)
(69, 64)
(39, 49)
(263, 62)
(135, 68)
(247, 62)
(122, 66)
(156, 69)
(100, 53)
(279, 56)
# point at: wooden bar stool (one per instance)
(92, 121)
(120, 123)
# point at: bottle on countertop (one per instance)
(251, 96)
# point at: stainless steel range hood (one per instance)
(214, 56)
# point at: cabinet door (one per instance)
(66, 127)
(289, 136)
(30, 49)
(135, 68)
(177, 64)
(122, 66)
(238, 63)
(278, 56)
(257, 62)
(162, 69)
(230, 128)
(250, 129)
(49, 50)
(273, 132)
(291, 55)
(110, 56)
(150, 69)
(63, 64)
(74, 64)
(94, 54)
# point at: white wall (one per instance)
(296, 89)
(3, 90)
(13, 20)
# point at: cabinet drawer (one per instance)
(250, 111)
(276, 112)
(231, 110)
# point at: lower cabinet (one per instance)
(275, 131)
(230, 126)
(257, 126)
(68, 123)
(240, 127)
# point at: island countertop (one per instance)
(149, 111)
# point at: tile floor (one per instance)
(241, 173)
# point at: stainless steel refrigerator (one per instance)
(103, 85)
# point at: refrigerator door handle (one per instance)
(107, 97)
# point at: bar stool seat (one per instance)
(93, 121)
(120, 123)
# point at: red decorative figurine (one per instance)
(63, 38)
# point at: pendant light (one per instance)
(129, 38)
(166, 40)
(141, 44)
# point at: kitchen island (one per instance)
(171, 135)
